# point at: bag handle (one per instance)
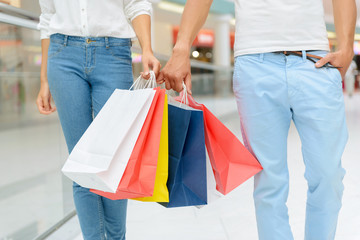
(142, 83)
(184, 95)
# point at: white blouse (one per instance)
(91, 18)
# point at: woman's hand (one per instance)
(43, 100)
(142, 26)
(150, 62)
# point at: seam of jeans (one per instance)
(86, 60)
(57, 52)
(101, 219)
(92, 66)
(94, 56)
(127, 61)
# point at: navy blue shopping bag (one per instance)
(187, 158)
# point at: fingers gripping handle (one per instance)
(141, 83)
(184, 98)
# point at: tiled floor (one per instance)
(230, 218)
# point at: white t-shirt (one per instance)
(279, 25)
(105, 18)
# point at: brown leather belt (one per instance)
(308, 56)
(298, 53)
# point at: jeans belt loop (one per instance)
(65, 40)
(304, 55)
(261, 57)
(107, 42)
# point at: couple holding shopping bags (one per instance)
(283, 71)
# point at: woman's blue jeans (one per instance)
(82, 74)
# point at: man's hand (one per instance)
(149, 61)
(43, 100)
(341, 58)
(177, 70)
(345, 21)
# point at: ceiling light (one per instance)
(331, 35)
(195, 54)
(172, 7)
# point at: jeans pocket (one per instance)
(121, 53)
(55, 49)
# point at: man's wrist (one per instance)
(181, 49)
(347, 49)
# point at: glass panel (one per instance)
(33, 193)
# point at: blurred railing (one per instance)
(35, 198)
(17, 17)
(34, 195)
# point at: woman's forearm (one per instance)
(142, 28)
(44, 50)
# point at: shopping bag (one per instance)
(100, 157)
(187, 158)
(231, 162)
(212, 194)
(138, 179)
(161, 193)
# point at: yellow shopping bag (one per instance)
(161, 193)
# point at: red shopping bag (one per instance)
(231, 162)
(139, 176)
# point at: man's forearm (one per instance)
(177, 70)
(193, 18)
(345, 21)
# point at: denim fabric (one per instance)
(272, 89)
(82, 75)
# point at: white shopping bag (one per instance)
(99, 159)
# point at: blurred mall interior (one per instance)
(36, 199)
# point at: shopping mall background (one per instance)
(34, 196)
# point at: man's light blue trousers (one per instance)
(272, 89)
